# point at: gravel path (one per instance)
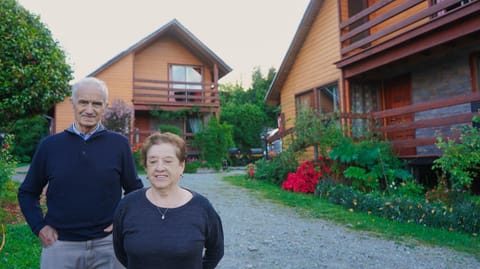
(262, 234)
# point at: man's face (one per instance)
(88, 107)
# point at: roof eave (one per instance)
(272, 96)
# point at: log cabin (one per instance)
(409, 67)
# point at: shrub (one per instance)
(371, 164)
(306, 177)
(277, 168)
(7, 161)
(118, 116)
(460, 160)
(462, 215)
(26, 142)
(214, 142)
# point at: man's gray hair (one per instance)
(90, 81)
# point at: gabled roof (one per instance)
(273, 95)
(174, 28)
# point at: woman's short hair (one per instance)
(159, 138)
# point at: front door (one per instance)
(397, 93)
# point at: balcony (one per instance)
(174, 95)
(391, 30)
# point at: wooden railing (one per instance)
(439, 122)
(427, 116)
(137, 137)
(175, 93)
(386, 19)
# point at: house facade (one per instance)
(414, 65)
(308, 77)
(169, 70)
(409, 69)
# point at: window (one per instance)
(452, 7)
(187, 80)
(323, 99)
(328, 99)
(305, 101)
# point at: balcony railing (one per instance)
(388, 19)
(175, 93)
(425, 127)
(137, 137)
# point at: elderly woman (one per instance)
(166, 225)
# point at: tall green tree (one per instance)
(248, 121)
(246, 110)
(34, 74)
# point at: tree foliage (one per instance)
(246, 110)
(34, 74)
(248, 121)
(25, 143)
(214, 142)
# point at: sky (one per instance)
(244, 34)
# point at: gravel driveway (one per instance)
(262, 234)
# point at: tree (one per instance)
(248, 121)
(246, 110)
(34, 74)
(214, 142)
(118, 116)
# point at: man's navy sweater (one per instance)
(85, 181)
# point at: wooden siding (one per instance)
(118, 78)
(153, 62)
(315, 62)
(63, 115)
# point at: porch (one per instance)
(425, 129)
(172, 96)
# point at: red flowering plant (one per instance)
(251, 171)
(306, 177)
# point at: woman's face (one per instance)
(163, 167)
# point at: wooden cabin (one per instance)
(414, 65)
(308, 77)
(169, 70)
(409, 66)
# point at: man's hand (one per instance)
(48, 235)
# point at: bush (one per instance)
(305, 179)
(214, 142)
(7, 161)
(460, 160)
(463, 215)
(277, 168)
(28, 133)
(118, 116)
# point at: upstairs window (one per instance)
(187, 80)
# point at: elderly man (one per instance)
(85, 167)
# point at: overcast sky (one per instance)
(245, 34)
